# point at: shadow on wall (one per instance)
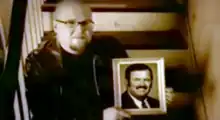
(183, 81)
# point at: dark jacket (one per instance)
(128, 103)
(78, 87)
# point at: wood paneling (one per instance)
(126, 6)
(134, 21)
(152, 40)
(149, 40)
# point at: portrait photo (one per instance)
(139, 85)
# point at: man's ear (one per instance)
(92, 27)
(126, 82)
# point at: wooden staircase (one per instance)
(173, 43)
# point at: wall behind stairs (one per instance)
(5, 14)
(205, 28)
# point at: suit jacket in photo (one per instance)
(128, 103)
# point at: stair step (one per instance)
(135, 21)
(149, 40)
(173, 58)
(181, 80)
(172, 39)
(126, 6)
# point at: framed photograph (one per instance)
(139, 85)
(2, 37)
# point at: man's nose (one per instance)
(78, 32)
(142, 82)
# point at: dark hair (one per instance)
(134, 67)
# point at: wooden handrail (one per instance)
(9, 77)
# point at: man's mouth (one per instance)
(142, 87)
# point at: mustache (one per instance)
(144, 87)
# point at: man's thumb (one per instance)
(123, 112)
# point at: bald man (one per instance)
(82, 92)
(72, 80)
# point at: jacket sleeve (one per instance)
(42, 84)
(107, 48)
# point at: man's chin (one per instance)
(142, 94)
(70, 50)
(78, 51)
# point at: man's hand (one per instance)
(177, 99)
(169, 92)
(115, 113)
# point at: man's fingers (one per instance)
(169, 89)
(122, 112)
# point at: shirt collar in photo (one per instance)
(138, 103)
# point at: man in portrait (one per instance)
(139, 79)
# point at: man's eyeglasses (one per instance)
(73, 23)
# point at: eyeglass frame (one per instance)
(72, 22)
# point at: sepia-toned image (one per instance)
(139, 85)
(105, 60)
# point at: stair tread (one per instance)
(171, 39)
(173, 58)
(145, 40)
(181, 80)
(126, 6)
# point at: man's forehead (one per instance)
(140, 73)
(72, 10)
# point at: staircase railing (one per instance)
(32, 36)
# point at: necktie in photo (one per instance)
(144, 105)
